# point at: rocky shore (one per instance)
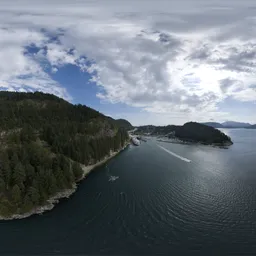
(51, 202)
(178, 141)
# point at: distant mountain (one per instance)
(228, 124)
(232, 124)
(214, 124)
(252, 126)
(122, 123)
(146, 129)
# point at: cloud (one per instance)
(226, 83)
(54, 70)
(184, 57)
(19, 71)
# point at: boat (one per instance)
(135, 141)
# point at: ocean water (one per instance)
(156, 198)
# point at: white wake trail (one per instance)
(178, 156)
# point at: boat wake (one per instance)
(173, 154)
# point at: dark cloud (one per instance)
(164, 38)
(207, 17)
(202, 53)
(234, 58)
(241, 61)
(226, 83)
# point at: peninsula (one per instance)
(47, 145)
(190, 132)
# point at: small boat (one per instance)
(113, 178)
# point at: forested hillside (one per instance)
(196, 132)
(191, 131)
(43, 142)
(156, 130)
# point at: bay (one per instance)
(148, 201)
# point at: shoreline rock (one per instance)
(52, 201)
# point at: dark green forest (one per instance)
(44, 140)
(124, 124)
(196, 132)
(191, 131)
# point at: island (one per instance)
(252, 126)
(230, 125)
(191, 132)
(47, 145)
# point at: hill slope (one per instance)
(232, 124)
(228, 124)
(44, 142)
(124, 124)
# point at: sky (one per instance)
(151, 62)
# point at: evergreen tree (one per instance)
(30, 172)
(6, 172)
(52, 185)
(19, 175)
(16, 194)
(2, 185)
(14, 160)
(77, 170)
(27, 204)
(34, 195)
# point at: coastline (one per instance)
(225, 144)
(88, 168)
(52, 201)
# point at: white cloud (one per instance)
(184, 57)
(19, 71)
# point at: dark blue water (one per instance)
(147, 201)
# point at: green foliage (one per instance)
(5, 169)
(77, 170)
(44, 141)
(14, 159)
(27, 204)
(19, 175)
(34, 195)
(193, 131)
(2, 185)
(122, 123)
(16, 194)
